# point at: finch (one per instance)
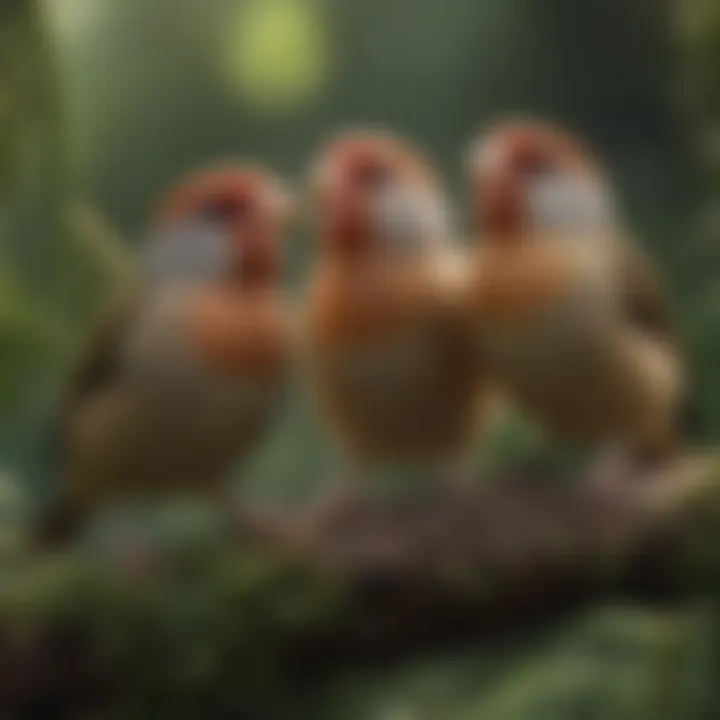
(390, 346)
(184, 373)
(571, 315)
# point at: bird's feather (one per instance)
(645, 299)
(99, 365)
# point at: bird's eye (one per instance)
(227, 209)
(526, 161)
(220, 210)
(370, 175)
(535, 167)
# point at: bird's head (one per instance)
(220, 226)
(376, 194)
(531, 179)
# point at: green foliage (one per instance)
(607, 665)
(698, 33)
(204, 630)
(205, 622)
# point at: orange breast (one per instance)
(513, 283)
(394, 364)
(241, 332)
(349, 308)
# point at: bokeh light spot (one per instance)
(71, 19)
(277, 53)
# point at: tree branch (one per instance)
(365, 584)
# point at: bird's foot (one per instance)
(336, 502)
(245, 519)
(610, 470)
(132, 553)
(459, 478)
(623, 467)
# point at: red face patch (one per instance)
(521, 153)
(238, 201)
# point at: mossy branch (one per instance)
(297, 596)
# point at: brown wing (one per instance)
(647, 306)
(645, 297)
(98, 366)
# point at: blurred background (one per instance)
(107, 103)
(103, 103)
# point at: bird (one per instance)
(389, 345)
(571, 314)
(185, 369)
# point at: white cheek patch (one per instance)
(411, 218)
(197, 252)
(567, 204)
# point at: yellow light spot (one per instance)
(276, 55)
(71, 19)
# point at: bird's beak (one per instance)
(484, 159)
(283, 205)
